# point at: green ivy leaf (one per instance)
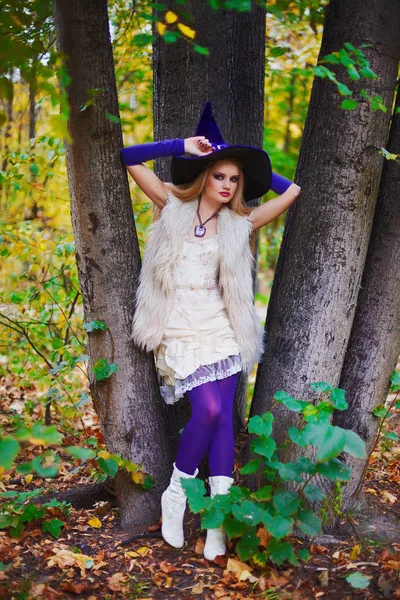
(248, 512)
(395, 378)
(334, 469)
(313, 493)
(353, 73)
(79, 452)
(368, 73)
(263, 445)
(264, 493)
(349, 104)
(93, 325)
(278, 51)
(380, 411)
(308, 522)
(354, 445)
(53, 527)
(261, 425)
(251, 467)
(248, 544)
(303, 554)
(358, 581)
(108, 465)
(38, 463)
(391, 435)
(329, 439)
(288, 401)
(343, 89)
(332, 58)
(321, 386)
(281, 551)
(102, 369)
(233, 527)
(297, 437)
(337, 395)
(212, 518)
(9, 448)
(289, 472)
(278, 526)
(112, 118)
(201, 50)
(345, 59)
(46, 435)
(286, 503)
(238, 494)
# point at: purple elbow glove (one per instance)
(135, 155)
(279, 184)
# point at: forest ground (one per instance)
(93, 558)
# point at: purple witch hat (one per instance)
(255, 161)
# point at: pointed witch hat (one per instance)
(255, 162)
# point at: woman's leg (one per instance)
(221, 450)
(205, 400)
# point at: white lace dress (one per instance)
(199, 344)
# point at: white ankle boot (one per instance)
(173, 504)
(216, 538)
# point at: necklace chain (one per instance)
(200, 230)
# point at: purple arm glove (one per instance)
(279, 184)
(135, 155)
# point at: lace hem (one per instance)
(218, 370)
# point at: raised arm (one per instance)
(288, 193)
(134, 157)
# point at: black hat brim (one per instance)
(255, 163)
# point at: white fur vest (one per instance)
(156, 283)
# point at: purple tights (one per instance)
(209, 428)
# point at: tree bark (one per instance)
(108, 259)
(327, 231)
(232, 79)
(374, 344)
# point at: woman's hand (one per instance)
(199, 145)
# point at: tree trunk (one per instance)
(107, 253)
(326, 237)
(232, 79)
(374, 344)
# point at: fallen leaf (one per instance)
(117, 582)
(355, 551)
(95, 522)
(237, 568)
(389, 497)
(74, 588)
(167, 567)
(264, 536)
(324, 578)
(199, 547)
(66, 558)
(198, 588)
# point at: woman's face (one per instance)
(222, 181)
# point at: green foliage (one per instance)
(18, 509)
(354, 61)
(273, 506)
(358, 581)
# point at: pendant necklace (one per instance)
(200, 230)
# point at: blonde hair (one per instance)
(192, 190)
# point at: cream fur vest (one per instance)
(156, 283)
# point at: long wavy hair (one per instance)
(193, 190)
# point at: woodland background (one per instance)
(314, 83)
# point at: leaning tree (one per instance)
(318, 276)
(107, 254)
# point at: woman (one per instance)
(194, 303)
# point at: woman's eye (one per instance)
(234, 179)
(217, 176)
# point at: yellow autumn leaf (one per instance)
(140, 552)
(161, 27)
(171, 17)
(104, 454)
(28, 478)
(190, 33)
(95, 522)
(137, 477)
(355, 551)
